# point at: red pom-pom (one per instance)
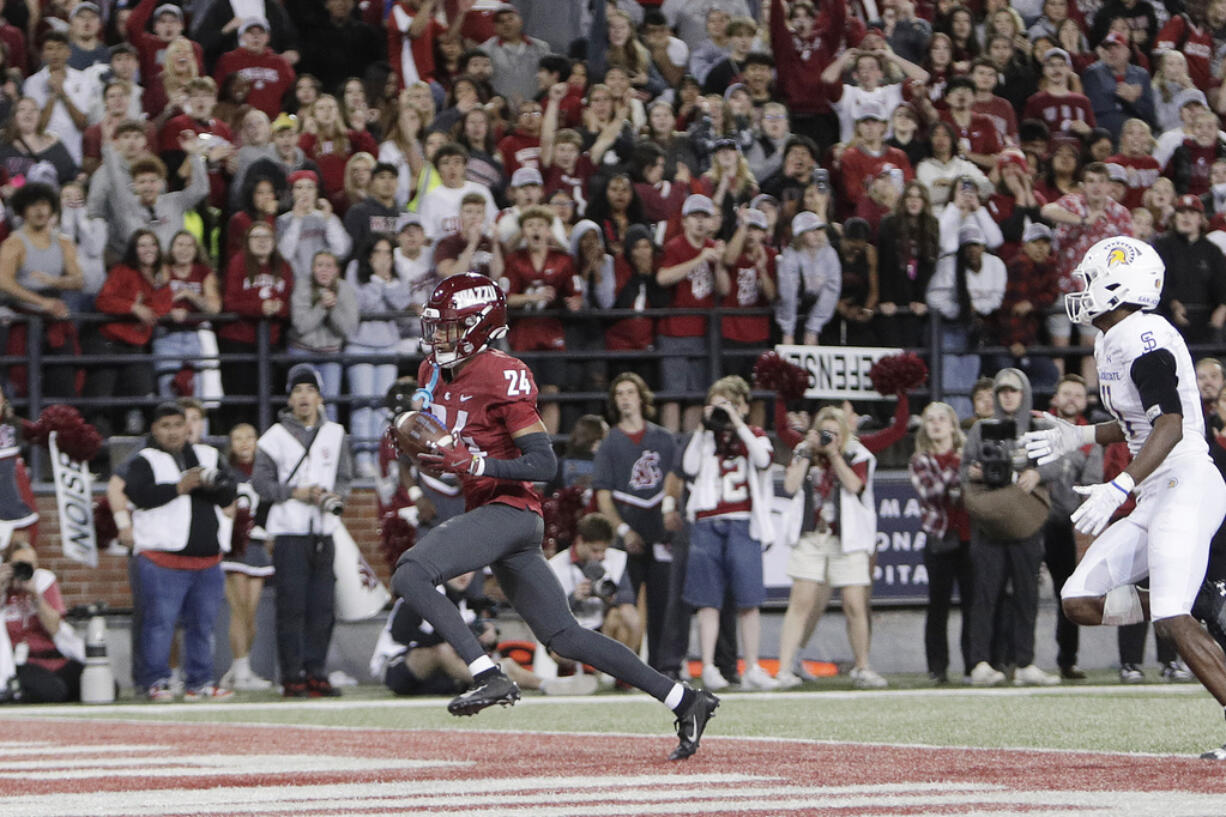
(240, 534)
(773, 373)
(104, 522)
(79, 440)
(395, 537)
(898, 374)
(562, 512)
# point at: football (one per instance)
(419, 432)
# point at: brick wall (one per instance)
(109, 580)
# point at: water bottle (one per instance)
(97, 680)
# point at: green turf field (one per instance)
(1098, 715)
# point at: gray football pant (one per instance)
(509, 541)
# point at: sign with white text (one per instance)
(75, 503)
(837, 372)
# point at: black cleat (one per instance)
(1215, 754)
(692, 722)
(497, 690)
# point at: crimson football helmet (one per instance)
(465, 312)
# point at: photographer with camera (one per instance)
(728, 465)
(303, 466)
(837, 545)
(597, 582)
(179, 531)
(1008, 502)
(38, 671)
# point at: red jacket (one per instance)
(149, 46)
(799, 65)
(246, 296)
(117, 297)
(331, 160)
(269, 74)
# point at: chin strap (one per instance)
(426, 392)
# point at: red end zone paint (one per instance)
(104, 768)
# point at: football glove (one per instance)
(456, 459)
(1060, 438)
(1101, 501)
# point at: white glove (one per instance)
(1058, 439)
(1101, 501)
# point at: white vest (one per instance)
(570, 574)
(294, 517)
(168, 526)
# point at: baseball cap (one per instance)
(524, 176)
(1189, 95)
(1117, 172)
(726, 143)
(502, 8)
(408, 220)
(733, 88)
(1114, 38)
(168, 8)
(805, 221)
(1190, 202)
(763, 198)
(698, 203)
(872, 110)
(384, 167)
(755, 218)
(970, 234)
(304, 373)
(1012, 157)
(86, 6)
(1057, 52)
(252, 22)
(299, 175)
(285, 121)
(1036, 232)
(1008, 380)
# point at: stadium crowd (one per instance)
(839, 171)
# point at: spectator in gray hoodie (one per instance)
(323, 315)
(141, 203)
(310, 227)
(379, 290)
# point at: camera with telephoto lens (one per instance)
(719, 420)
(332, 503)
(23, 571)
(215, 479)
(825, 437)
(602, 585)
(999, 438)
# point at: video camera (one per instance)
(602, 586)
(719, 420)
(999, 438)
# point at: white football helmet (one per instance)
(1115, 271)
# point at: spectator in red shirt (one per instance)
(472, 248)
(1061, 108)
(333, 143)
(258, 286)
(1189, 166)
(411, 33)
(1030, 291)
(197, 118)
(692, 267)
(522, 146)
(138, 286)
(867, 156)
(1192, 34)
(268, 72)
(985, 76)
(978, 139)
(167, 26)
(1136, 142)
(539, 277)
(751, 273)
(636, 288)
(33, 611)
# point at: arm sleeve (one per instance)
(264, 480)
(785, 305)
(143, 490)
(1153, 373)
(537, 464)
(828, 297)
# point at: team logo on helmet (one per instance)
(1118, 255)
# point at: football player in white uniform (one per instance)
(1148, 383)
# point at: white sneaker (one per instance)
(250, 683)
(1033, 676)
(865, 678)
(712, 679)
(757, 678)
(570, 685)
(984, 675)
(227, 680)
(787, 680)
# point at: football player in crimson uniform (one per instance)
(1147, 382)
(487, 399)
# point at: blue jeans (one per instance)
(185, 346)
(368, 383)
(724, 556)
(958, 371)
(169, 596)
(331, 374)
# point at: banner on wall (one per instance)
(837, 372)
(75, 503)
(900, 576)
